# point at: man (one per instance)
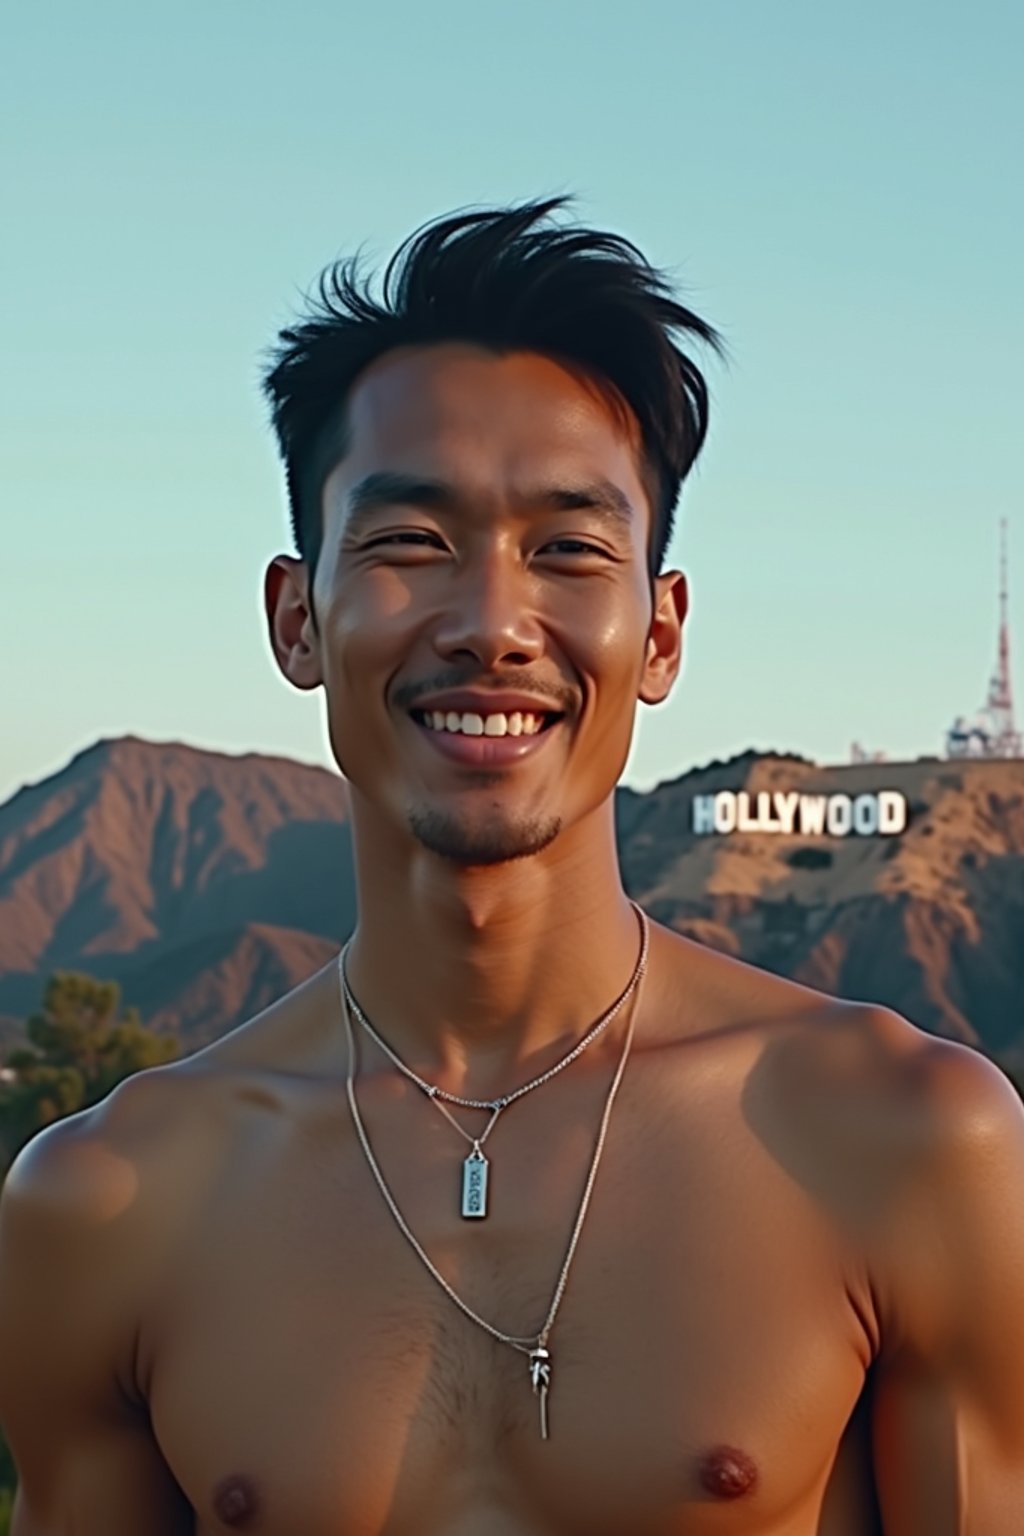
(705, 1251)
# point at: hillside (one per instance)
(930, 922)
(207, 885)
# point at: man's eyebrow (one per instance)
(601, 496)
(387, 488)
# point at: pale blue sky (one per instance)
(837, 186)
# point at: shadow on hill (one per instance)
(304, 889)
(305, 882)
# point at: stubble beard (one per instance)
(494, 838)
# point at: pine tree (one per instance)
(79, 1048)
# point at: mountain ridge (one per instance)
(207, 884)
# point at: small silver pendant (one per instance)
(540, 1380)
(474, 1184)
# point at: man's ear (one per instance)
(293, 635)
(664, 653)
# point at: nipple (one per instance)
(727, 1472)
(234, 1501)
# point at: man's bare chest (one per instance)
(307, 1373)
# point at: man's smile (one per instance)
(493, 737)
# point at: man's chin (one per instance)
(477, 844)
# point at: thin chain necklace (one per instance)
(476, 1167)
(534, 1346)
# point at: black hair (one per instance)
(507, 279)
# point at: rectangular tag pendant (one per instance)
(474, 1185)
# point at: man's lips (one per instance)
(459, 747)
(466, 701)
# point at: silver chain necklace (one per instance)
(534, 1346)
(476, 1167)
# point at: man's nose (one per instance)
(491, 615)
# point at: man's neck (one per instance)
(480, 978)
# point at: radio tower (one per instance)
(992, 732)
(1006, 739)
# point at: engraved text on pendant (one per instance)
(474, 1184)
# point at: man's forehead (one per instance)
(427, 388)
(460, 410)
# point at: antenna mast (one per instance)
(1006, 738)
(992, 732)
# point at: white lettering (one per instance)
(812, 815)
(865, 815)
(892, 812)
(725, 811)
(840, 815)
(785, 808)
(703, 814)
(790, 812)
(764, 812)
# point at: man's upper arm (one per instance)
(86, 1459)
(948, 1428)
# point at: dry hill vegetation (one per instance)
(206, 885)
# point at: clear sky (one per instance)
(837, 187)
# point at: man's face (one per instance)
(485, 618)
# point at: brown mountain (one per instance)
(930, 922)
(208, 885)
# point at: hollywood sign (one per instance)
(881, 813)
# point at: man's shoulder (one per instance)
(936, 1166)
(135, 1148)
(847, 1085)
(914, 1095)
(84, 1185)
(79, 1238)
(776, 1027)
(830, 1041)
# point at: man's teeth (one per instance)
(516, 724)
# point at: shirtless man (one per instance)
(796, 1304)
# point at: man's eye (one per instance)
(574, 547)
(413, 538)
(410, 537)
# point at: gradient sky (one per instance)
(837, 188)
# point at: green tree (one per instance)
(80, 1047)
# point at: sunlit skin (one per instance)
(795, 1308)
(491, 587)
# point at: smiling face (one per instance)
(485, 614)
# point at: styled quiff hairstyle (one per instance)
(509, 280)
